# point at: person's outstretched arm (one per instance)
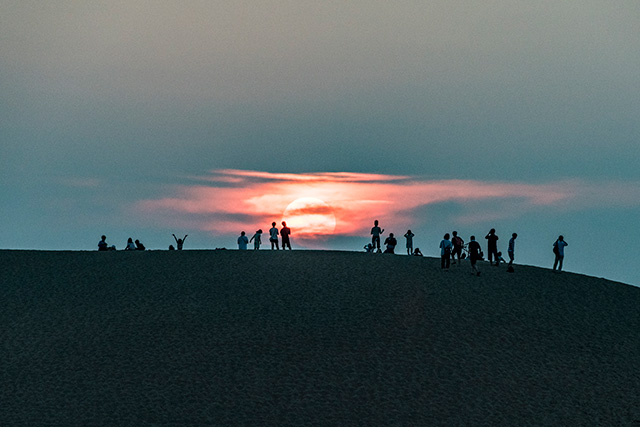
(175, 238)
(185, 238)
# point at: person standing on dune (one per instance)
(409, 236)
(376, 231)
(492, 247)
(285, 232)
(180, 242)
(243, 241)
(558, 250)
(273, 236)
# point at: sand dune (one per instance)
(310, 338)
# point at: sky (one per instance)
(146, 118)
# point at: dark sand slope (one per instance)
(310, 338)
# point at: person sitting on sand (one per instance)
(139, 246)
(416, 252)
(242, 241)
(368, 248)
(104, 246)
(273, 236)
(285, 232)
(180, 242)
(390, 242)
(376, 231)
(130, 245)
(257, 240)
(445, 252)
(475, 253)
(558, 250)
(409, 236)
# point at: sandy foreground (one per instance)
(310, 338)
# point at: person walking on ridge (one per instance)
(475, 253)
(257, 240)
(458, 244)
(445, 252)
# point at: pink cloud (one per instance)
(231, 200)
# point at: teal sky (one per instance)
(107, 104)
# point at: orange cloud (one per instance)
(230, 200)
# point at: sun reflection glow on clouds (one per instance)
(229, 200)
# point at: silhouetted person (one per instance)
(445, 252)
(409, 236)
(273, 236)
(458, 244)
(512, 249)
(139, 246)
(492, 246)
(130, 245)
(104, 246)
(475, 253)
(180, 242)
(285, 232)
(243, 241)
(390, 242)
(171, 248)
(257, 240)
(368, 248)
(558, 249)
(376, 231)
(416, 252)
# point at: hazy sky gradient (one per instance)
(105, 104)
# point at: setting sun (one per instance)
(309, 216)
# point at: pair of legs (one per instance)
(493, 253)
(474, 268)
(558, 262)
(274, 243)
(409, 250)
(445, 261)
(457, 250)
(285, 243)
(375, 241)
(511, 258)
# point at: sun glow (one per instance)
(308, 217)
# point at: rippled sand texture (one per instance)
(310, 338)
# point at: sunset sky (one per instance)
(145, 118)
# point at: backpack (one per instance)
(555, 248)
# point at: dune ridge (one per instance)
(310, 338)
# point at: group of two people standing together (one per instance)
(284, 232)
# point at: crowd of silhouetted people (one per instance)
(453, 248)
